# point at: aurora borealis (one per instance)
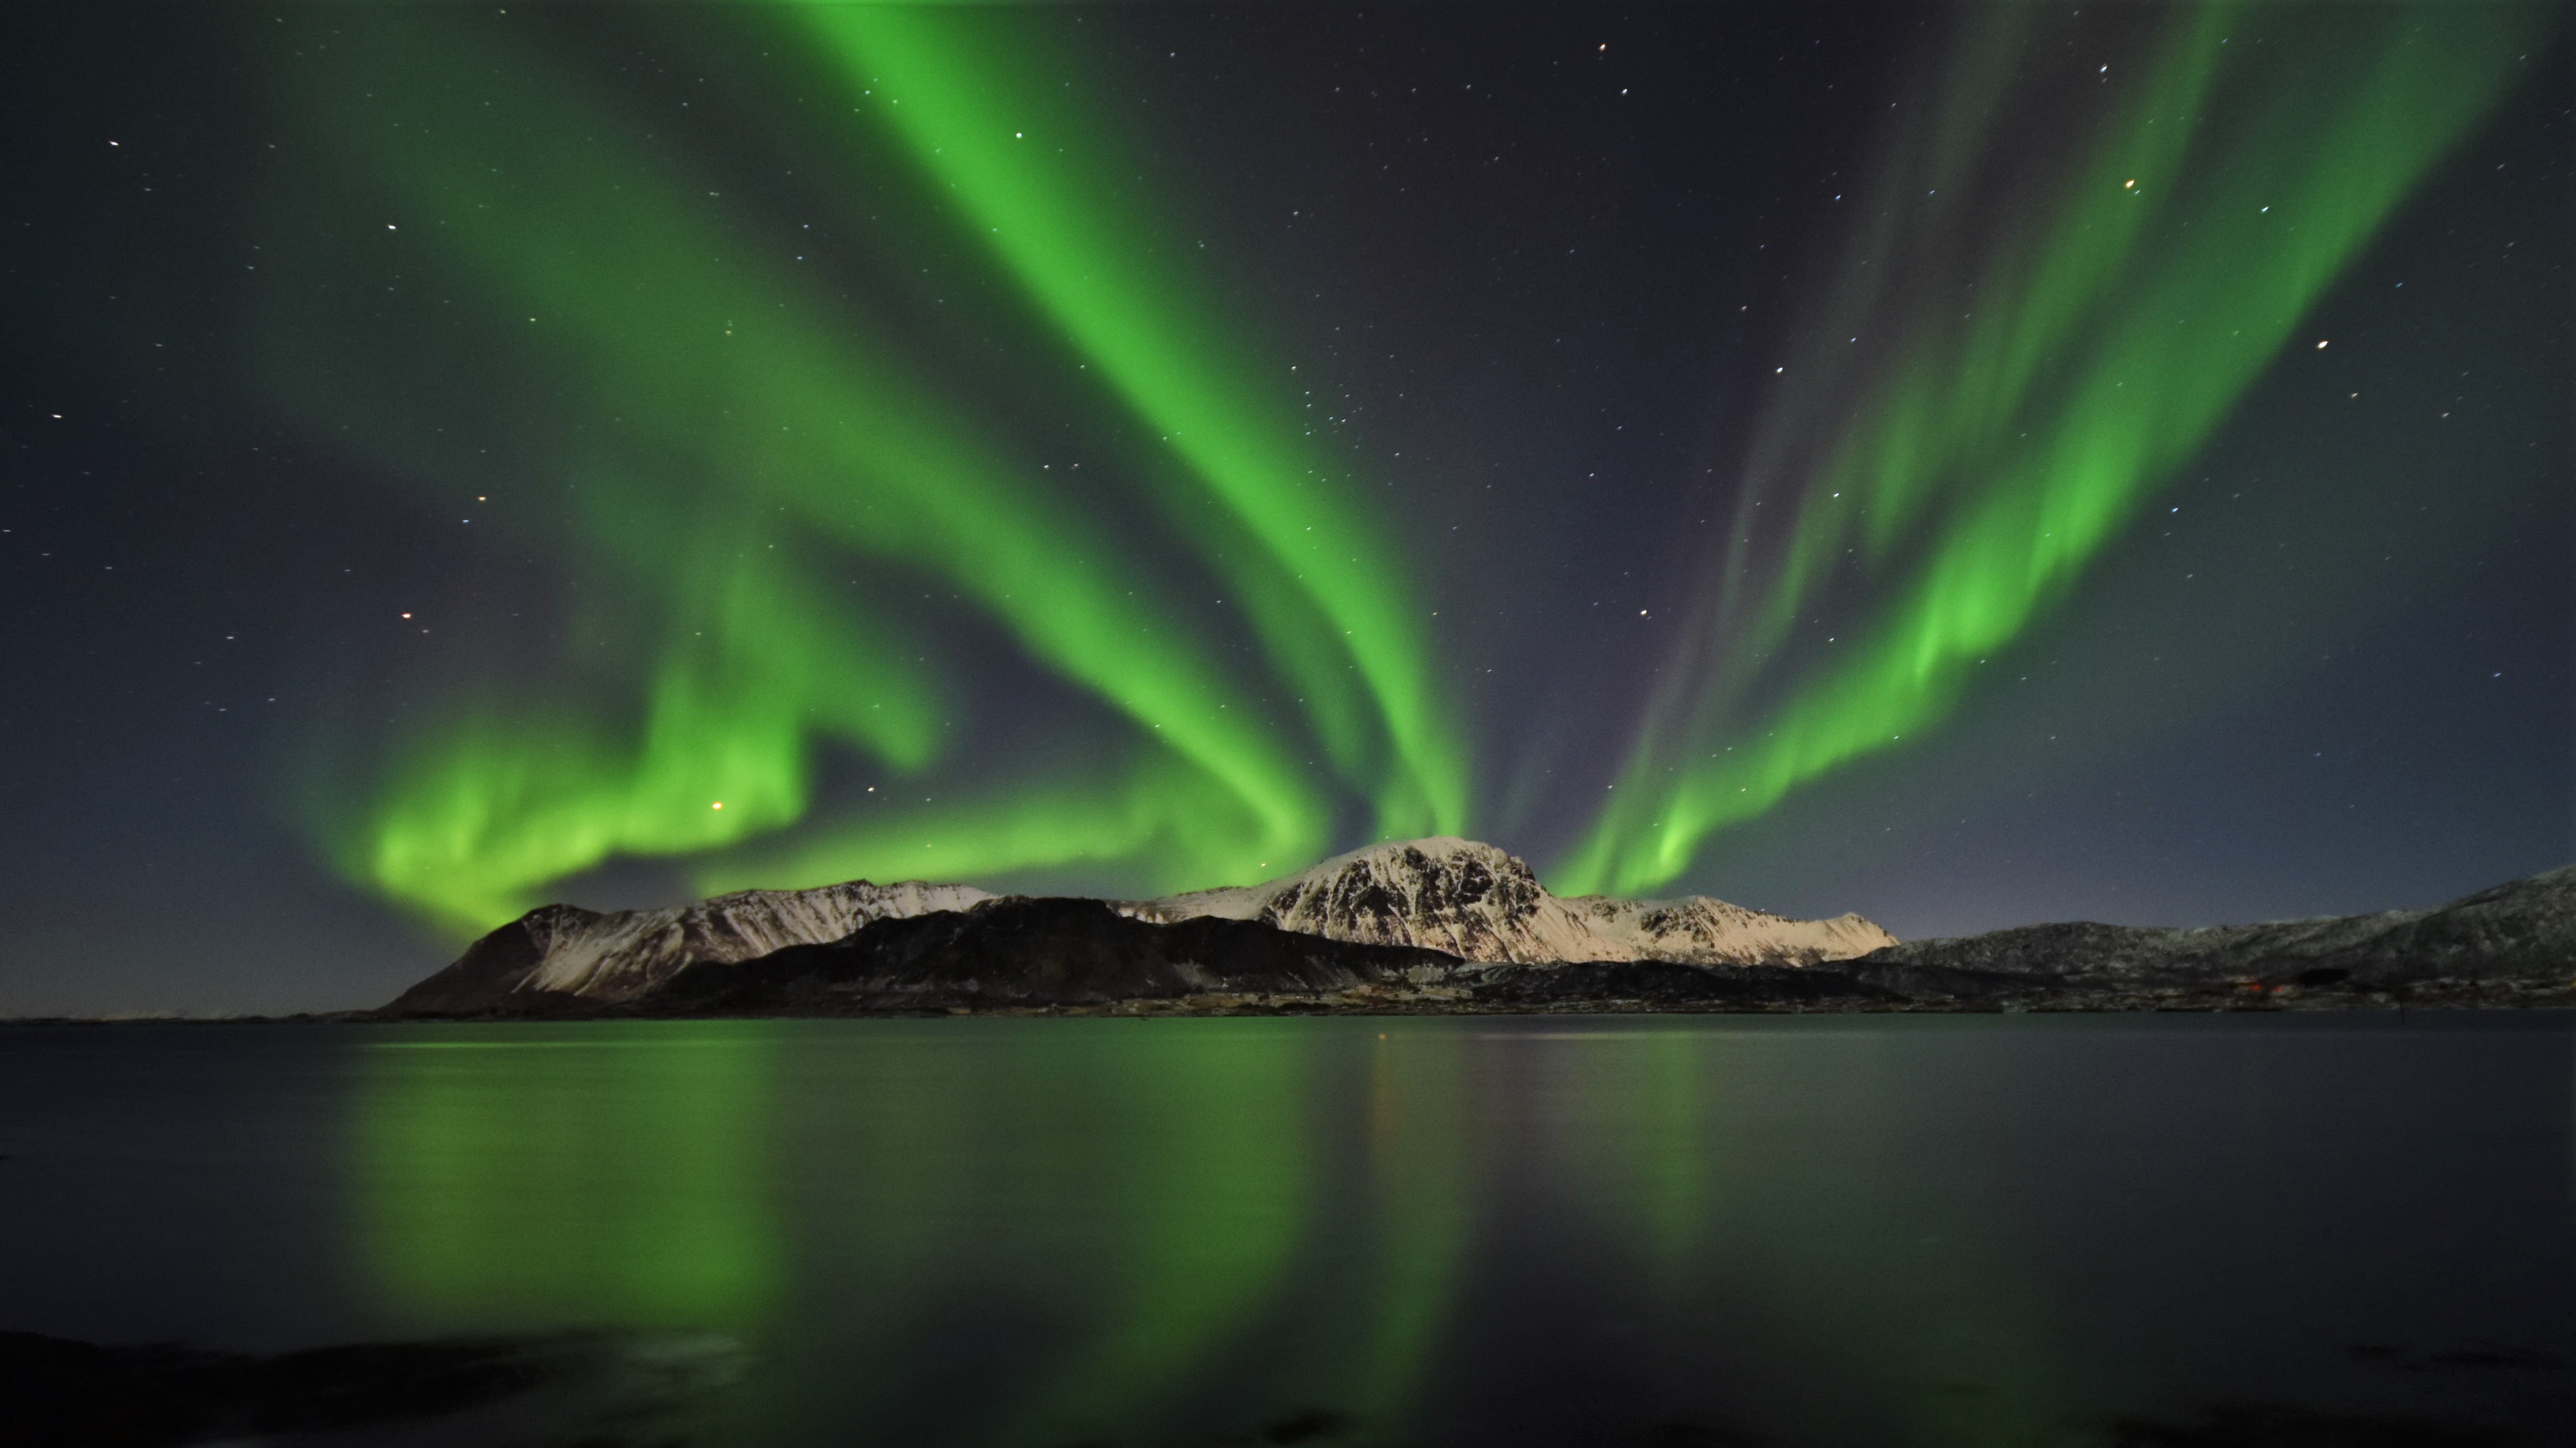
(2097, 345)
(752, 397)
(470, 458)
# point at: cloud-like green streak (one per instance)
(2040, 394)
(735, 440)
(1030, 174)
(731, 418)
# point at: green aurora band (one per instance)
(945, 83)
(743, 437)
(750, 478)
(2040, 390)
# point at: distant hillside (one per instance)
(2503, 943)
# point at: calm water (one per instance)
(1828, 1231)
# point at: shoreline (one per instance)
(2486, 1003)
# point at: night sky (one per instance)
(1967, 467)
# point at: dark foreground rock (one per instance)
(60, 1393)
(2511, 946)
(2273, 1425)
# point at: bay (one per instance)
(1505, 1230)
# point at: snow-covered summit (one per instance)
(620, 955)
(1468, 899)
(1479, 903)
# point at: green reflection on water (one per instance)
(1039, 1232)
(1774, 1213)
(537, 1177)
(1136, 1191)
(1196, 1142)
(1640, 1119)
(1894, 1299)
(1417, 1158)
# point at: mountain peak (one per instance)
(1479, 902)
(1460, 897)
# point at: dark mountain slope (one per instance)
(1041, 952)
(2514, 945)
(2514, 941)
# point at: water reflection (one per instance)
(1051, 1232)
(531, 1178)
(1096, 1221)
(1169, 1180)
(1415, 1222)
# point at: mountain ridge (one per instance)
(1228, 952)
(1474, 901)
(2520, 930)
(1468, 900)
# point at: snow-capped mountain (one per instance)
(1457, 896)
(1478, 903)
(566, 950)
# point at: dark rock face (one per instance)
(496, 968)
(1040, 952)
(1664, 984)
(60, 1393)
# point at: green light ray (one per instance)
(970, 105)
(1964, 390)
(2008, 444)
(725, 389)
(1176, 819)
(503, 797)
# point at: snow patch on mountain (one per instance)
(619, 957)
(1457, 896)
(1475, 901)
